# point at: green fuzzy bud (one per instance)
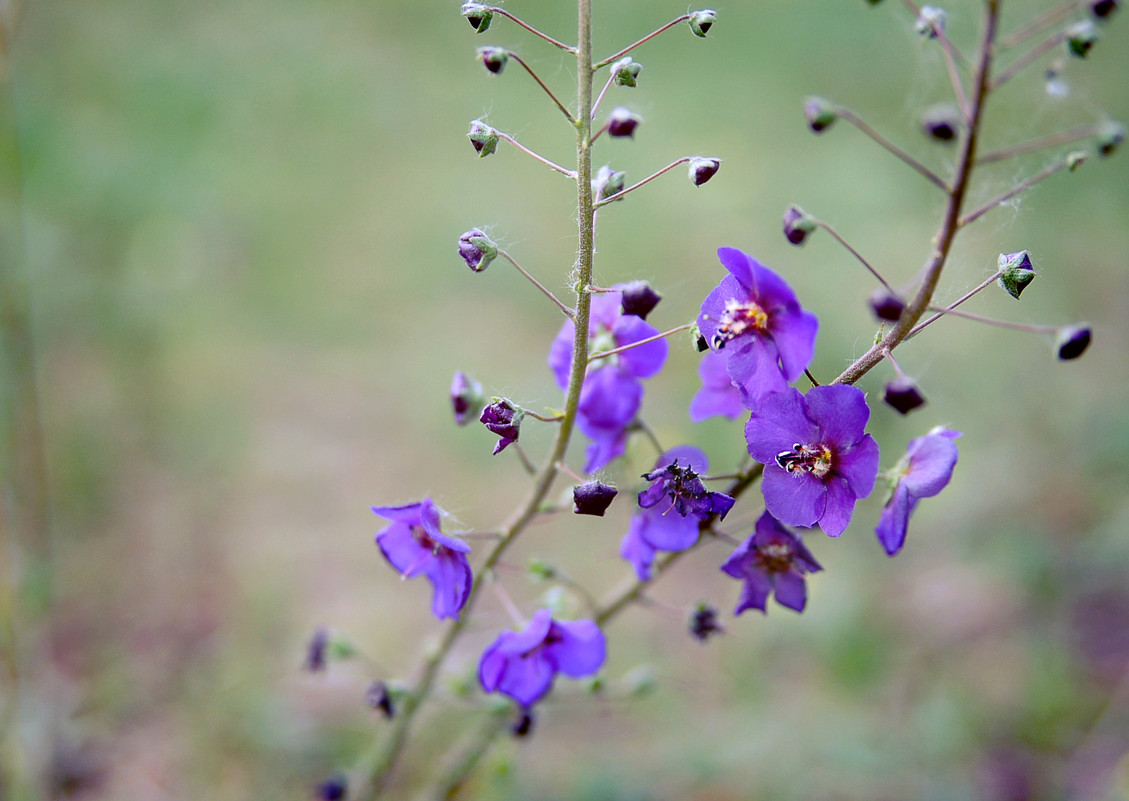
(930, 21)
(1016, 272)
(478, 15)
(625, 72)
(1080, 37)
(493, 58)
(1110, 135)
(819, 113)
(702, 21)
(483, 137)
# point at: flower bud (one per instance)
(483, 137)
(1110, 135)
(335, 788)
(1075, 159)
(608, 182)
(702, 21)
(930, 21)
(466, 397)
(820, 114)
(592, 498)
(622, 122)
(478, 15)
(1080, 37)
(477, 249)
(378, 697)
(797, 224)
(886, 305)
(903, 395)
(703, 622)
(700, 343)
(493, 58)
(942, 122)
(1103, 8)
(702, 169)
(1073, 341)
(316, 651)
(639, 298)
(541, 570)
(523, 725)
(625, 72)
(503, 417)
(1016, 272)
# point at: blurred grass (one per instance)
(240, 221)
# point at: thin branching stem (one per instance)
(648, 179)
(605, 353)
(980, 287)
(556, 301)
(1028, 327)
(1049, 18)
(972, 216)
(835, 234)
(951, 51)
(647, 38)
(534, 31)
(931, 176)
(528, 152)
(600, 98)
(541, 83)
(1027, 59)
(1051, 140)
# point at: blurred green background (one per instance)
(240, 221)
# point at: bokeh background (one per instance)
(239, 224)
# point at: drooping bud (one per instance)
(625, 72)
(379, 697)
(797, 224)
(335, 788)
(903, 395)
(493, 58)
(886, 305)
(639, 298)
(700, 343)
(702, 21)
(1110, 135)
(523, 725)
(466, 398)
(942, 122)
(477, 249)
(1103, 8)
(704, 623)
(503, 417)
(702, 169)
(316, 650)
(483, 137)
(1080, 37)
(930, 21)
(608, 182)
(621, 122)
(1073, 341)
(478, 15)
(1016, 272)
(592, 498)
(819, 113)
(1075, 159)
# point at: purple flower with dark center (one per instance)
(923, 472)
(718, 395)
(414, 545)
(671, 509)
(503, 418)
(818, 460)
(773, 559)
(755, 318)
(523, 664)
(612, 391)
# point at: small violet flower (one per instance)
(772, 559)
(671, 508)
(503, 418)
(612, 392)
(923, 472)
(523, 664)
(718, 395)
(756, 319)
(413, 544)
(817, 458)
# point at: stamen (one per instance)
(814, 459)
(737, 319)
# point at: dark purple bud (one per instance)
(625, 72)
(477, 249)
(1016, 272)
(483, 137)
(1110, 135)
(503, 418)
(903, 395)
(608, 182)
(1103, 8)
(478, 15)
(622, 122)
(704, 622)
(886, 305)
(942, 122)
(493, 58)
(1073, 341)
(930, 21)
(700, 342)
(639, 298)
(702, 21)
(797, 224)
(819, 113)
(702, 169)
(333, 788)
(524, 723)
(466, 397)
(592, 498)
(316, 651)
(873, 2)
(378, 697)
(1080, 38)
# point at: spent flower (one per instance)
(503, 417)
(924, 471)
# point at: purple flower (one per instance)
(413, 544)
(718, 395)
(503, 418)
(523, 664)
(754, 316)
(671, 509)
(817, 458)
(611, 394)
(772, 559)
(924, 471)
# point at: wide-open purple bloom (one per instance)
(671, 508)
(718, 395)
(818, 460)
(771, 559)
(753, 316)
(924, 471)
(414, 545)
(523, 664)
(612, 392)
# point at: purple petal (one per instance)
(402, 550)
(450, 575)
(642, 361)
(609, 398)
(719, 396)
(670, 531)
(526, 679)
(560, 353)
(580, 649)
(534, 633)
(791, 590)
(739, 265)
(408, 513)
(893, 521)
(859, 466)
(738, 563)
(932, 459)
(686, 456)
(607, 445)
(797, 499)
(794, 335)
(841, 413)
(635, 550)
(713, 307)
(778, 423)
(840, 505)
(755, 368)
(754, 595)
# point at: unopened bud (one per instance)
(702, 21)
(704, 622)
(931, 21)
(625, 72)
(700, 343)
(1016, 272)
(478, 15)
(639, 298)
(1103, 8)
(608, 182)
(335, 788)
(540, 570)
(523, 725)
(942, 122)
(466, 398)
(622, 122)
(1075, 159)
(592, 498)
(477, 249)
(1080, 37)
(1110, 135)
(887, 306)
(1073, 341)
(797, 224)
(903, 395)
(493, 58)
(819, 113)
(379, 696)
(702, 169)
(483, 137)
